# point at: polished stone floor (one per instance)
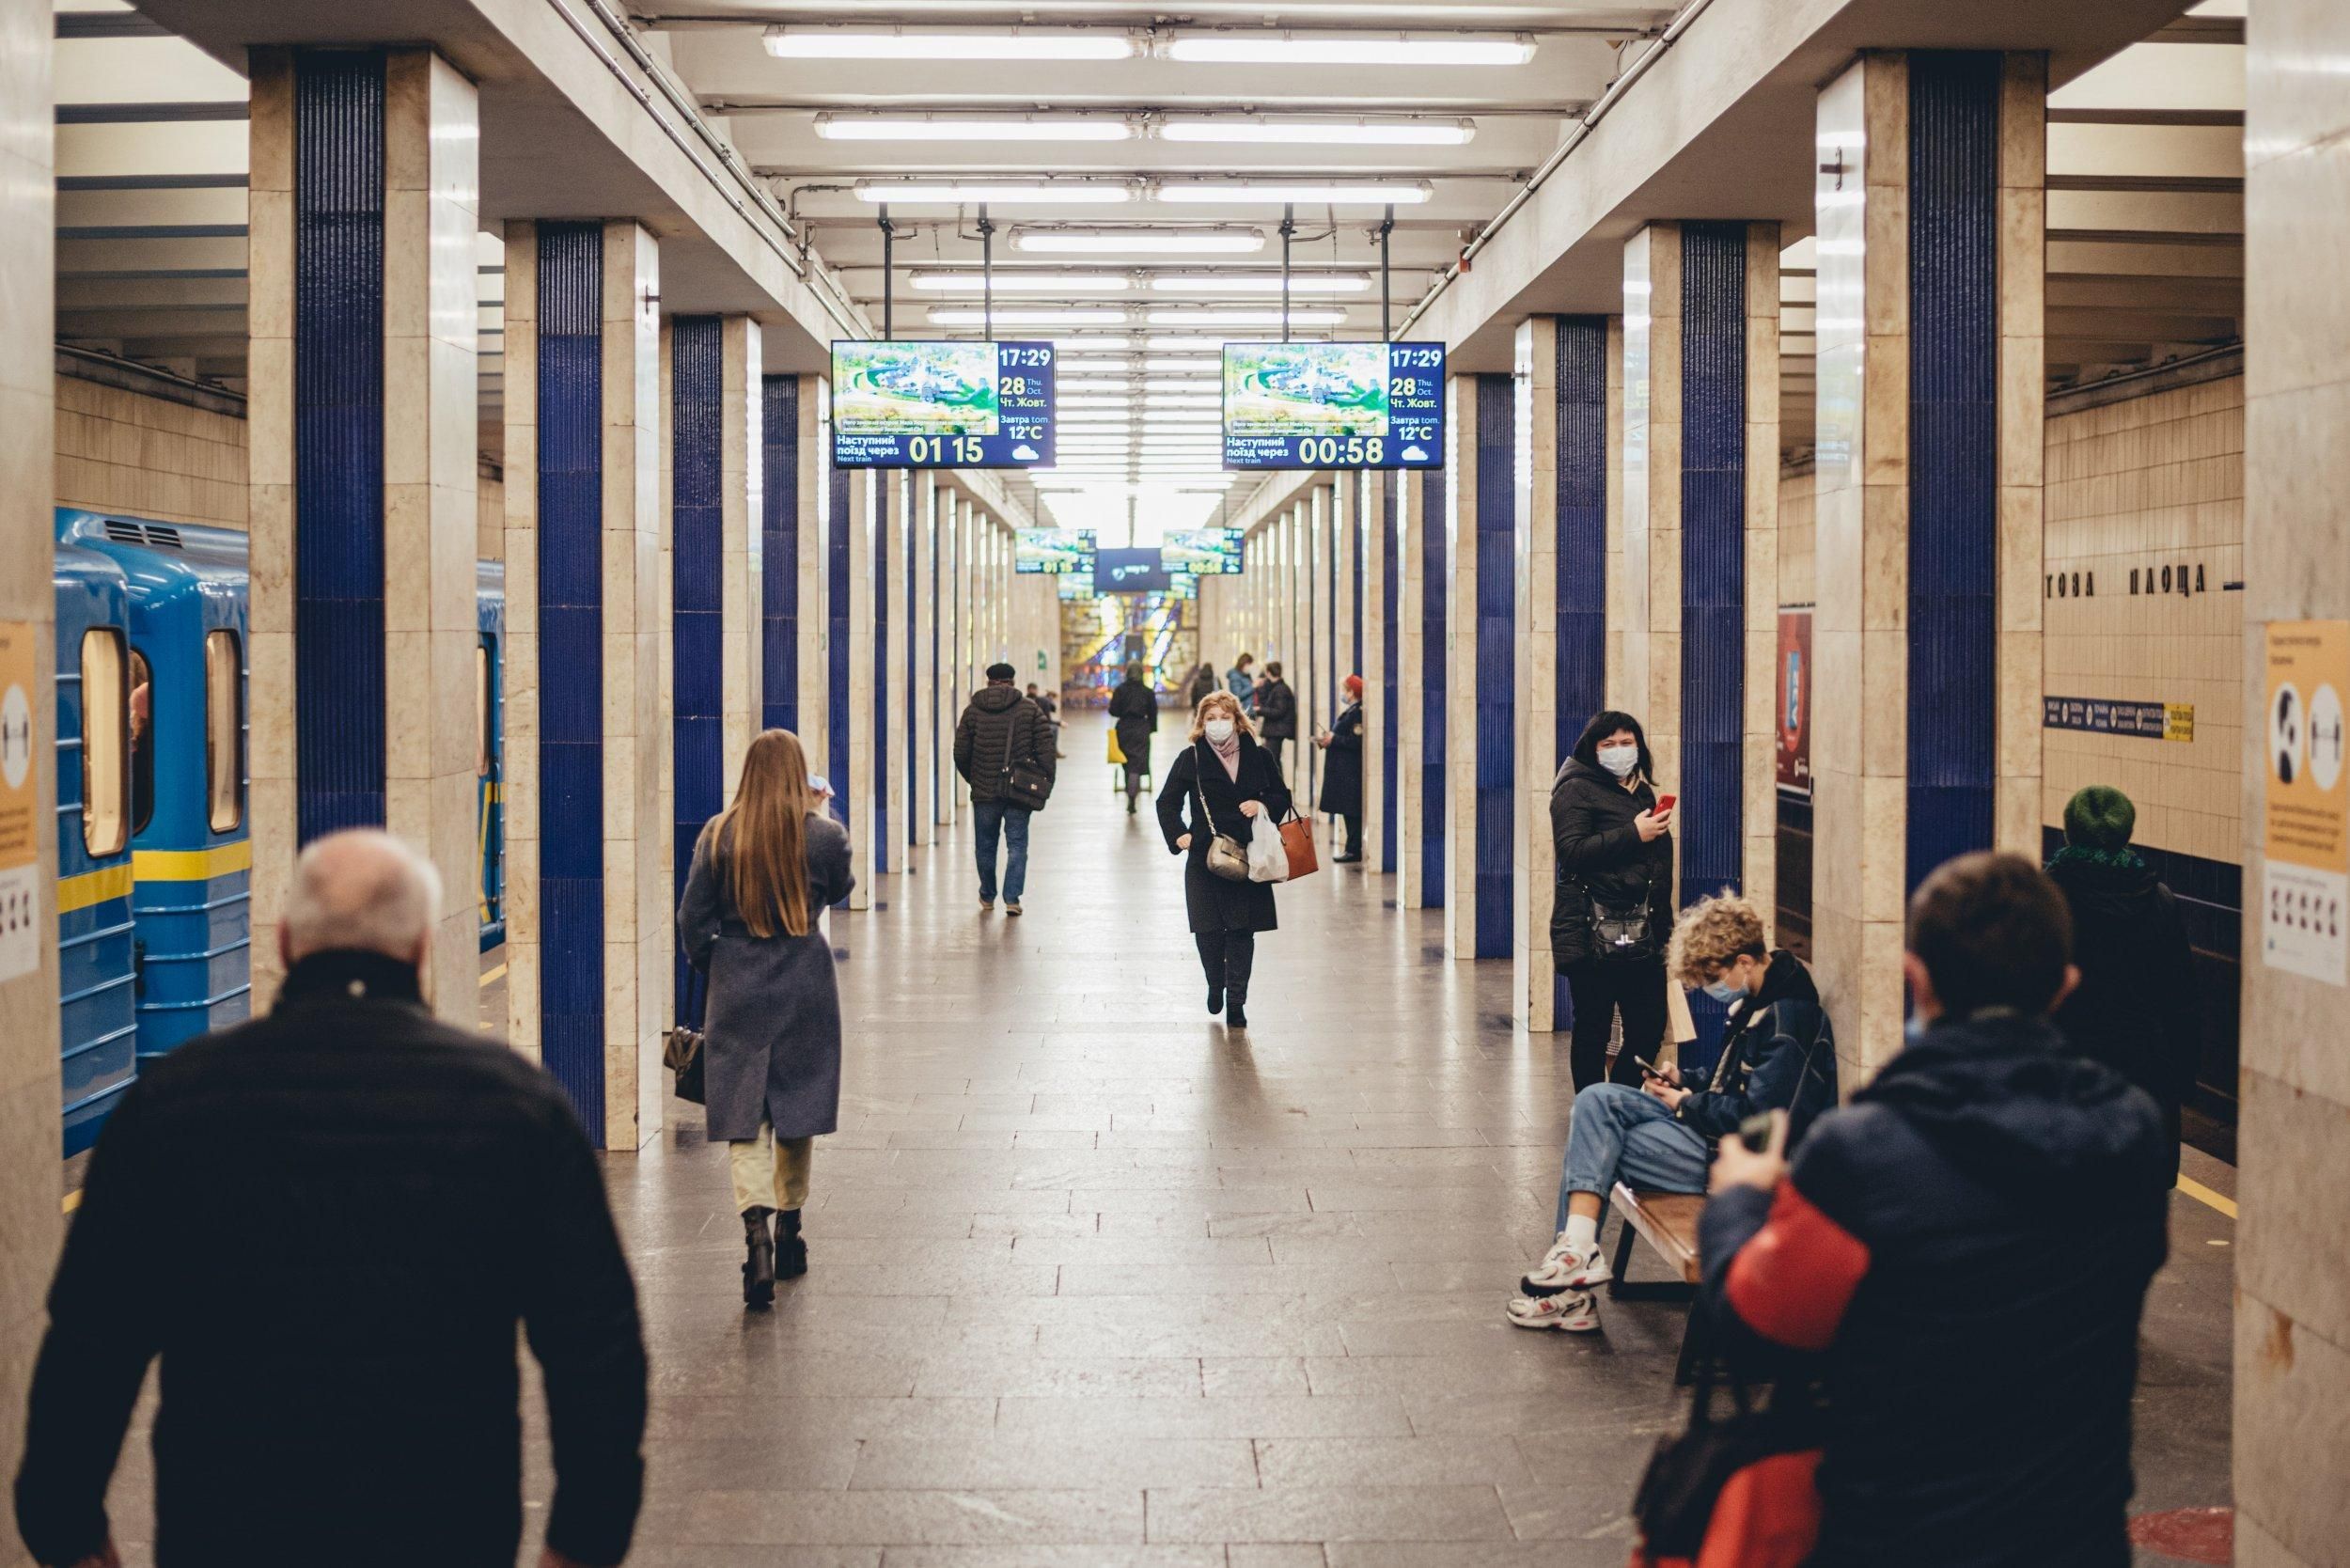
(1099, 1282)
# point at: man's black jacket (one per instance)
(327, 1223)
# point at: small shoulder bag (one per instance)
(1619, 931)
(1227, 857)
(1025, 783)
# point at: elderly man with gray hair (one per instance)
(327, 1224)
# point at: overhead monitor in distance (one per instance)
(1333, 406)
(1137, 570)
(1053, 552)
(1202, 552)
(914, 405)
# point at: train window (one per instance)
(481, 709)
(142, 742)
(105, 743)
(223, 731)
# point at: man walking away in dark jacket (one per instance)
(1276, 711)
(327, 1223)
(1961, 1256)
(2137, 1009)
(999, 730)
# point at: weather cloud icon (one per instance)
(1026, 453)
(1415, 454)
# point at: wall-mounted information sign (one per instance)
(941, 406)
(1334, 405)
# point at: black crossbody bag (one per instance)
(1024, 783)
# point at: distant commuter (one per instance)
(1203, 681)
(1134, 708)
(1612, 912)
(1342, 768)
(1277, 714)
(1050, 706)
(328, 1224)
(764, 872)
(1240, 680)
(2137, 1009)
(1001, 730)
(1222, 780)
(1961, 1255)
(1777, 1054)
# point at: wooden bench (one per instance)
(1668, 1221)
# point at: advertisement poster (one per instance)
(21, 924)
(2305, 841)
(1794, 701)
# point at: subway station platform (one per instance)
(1096, 1282)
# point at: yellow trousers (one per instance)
(769, 1172)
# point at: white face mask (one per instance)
(1619, 760)
(1219, 731)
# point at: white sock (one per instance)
(1582, 1232)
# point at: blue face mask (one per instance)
(1722, 991)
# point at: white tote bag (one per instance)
(1267, 860)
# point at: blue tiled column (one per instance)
(888, 782)
(780, 607)
(1932, 220)
(1712, 556)
(1480, 471)
(362, 430)
(1386, 573)
(1562, 384)
(856, 498)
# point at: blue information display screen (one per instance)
(1139, 571)
(941, 406)
(1202, 552)
(1333, 406)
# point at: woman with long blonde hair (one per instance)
(764, 872)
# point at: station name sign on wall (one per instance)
(2097, 715)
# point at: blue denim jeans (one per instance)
(992, 817)
(1618, 1134)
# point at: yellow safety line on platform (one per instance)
(193, 865)
(73, 1201)
(2204, 1196)
(497, 973)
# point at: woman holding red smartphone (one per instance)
(1613, 912)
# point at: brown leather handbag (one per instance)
(1298, 841)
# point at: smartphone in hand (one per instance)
(1665, 804)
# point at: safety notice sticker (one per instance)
(21, 924)
(2305, 893)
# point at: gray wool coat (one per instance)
(771, 1034)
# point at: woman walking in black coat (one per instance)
(1221, 781)
(1615, 854)
(764, 871)
(1135, 707)
(1342, 768)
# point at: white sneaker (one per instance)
(1569, 1311)
(1564, 1268)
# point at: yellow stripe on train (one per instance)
(93, 887)
(192, 864)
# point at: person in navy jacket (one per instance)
(1960, 1257)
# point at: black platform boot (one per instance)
(1235, 1010)
(791, 1251)
(759, 1267)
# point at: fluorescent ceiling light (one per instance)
(974, 127)
(947, 43)
(1189, 342)
(1093, 345)
(1260, 283)
(1170, 364)
(1023, 283)
(1403, 192)
(1195, 316)
(1139, 242)
(1320, 129)
(1016, 316)
(953, 193)
(1270, 46)
(1095, 400)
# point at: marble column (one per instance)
(885, 658)
(1568, 382)
(858, 499)
(2292, 1314)
(364, 191)
(946, 687)
(1374, 553)
(31, 1090)
(795, 436)
(1482, 674)
(1931, 208)
(589, 922)
(715, 405)
(1313, 690)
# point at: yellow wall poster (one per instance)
(20, 925)
(2305, 894)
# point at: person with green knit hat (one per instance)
(2138, 1008)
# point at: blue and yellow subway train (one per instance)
(154, 926)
